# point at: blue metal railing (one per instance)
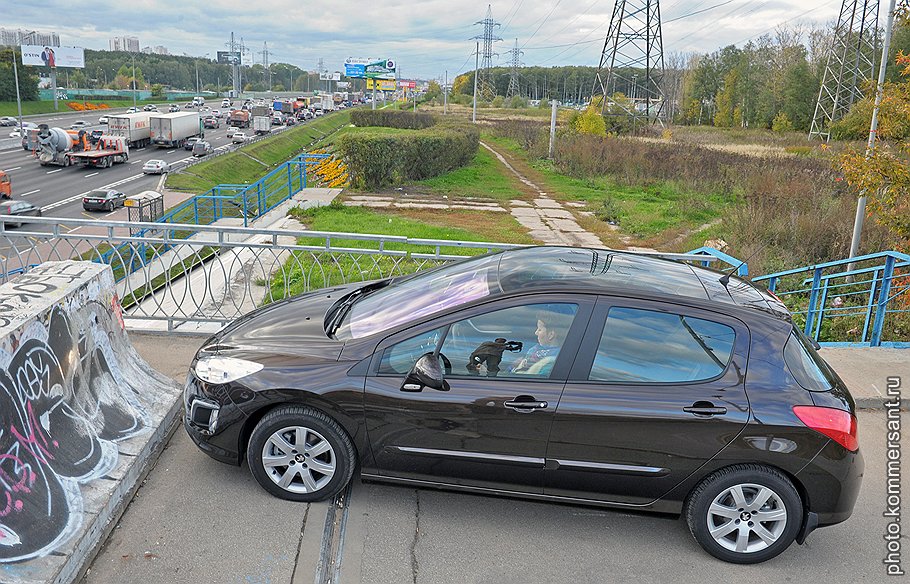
(861, 288)
(742, 269)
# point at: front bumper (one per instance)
(212, 420)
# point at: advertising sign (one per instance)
(330, 76)
(44, 56)
(407, 84)
(228, 57)
(360, 68)
(343, 84)
(381, 84)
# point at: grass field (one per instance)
(484, 177)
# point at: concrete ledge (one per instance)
(82, 418)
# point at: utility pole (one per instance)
(445, 95)
(514, 88)
(851, 63)
(133, 61)
(487, 87)
(873, 130)
(634, 42)
(476, 65)
(552, 148)
(265, 63)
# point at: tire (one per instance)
(713, 506)
(279, 433)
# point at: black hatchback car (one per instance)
(103, 200)
(574, 375)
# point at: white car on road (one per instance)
(238, 138)
(155, 167)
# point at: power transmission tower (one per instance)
(237, 50)
(486, 89)
(632, 60)
(851, 63)
(516, 53)
(265, 63)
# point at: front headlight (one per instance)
(224, 369)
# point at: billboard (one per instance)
(329, 76)
(227, 57)
(407, 84)
(360, 68)
(45, 56)
(381, 84)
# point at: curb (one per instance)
(878, 403)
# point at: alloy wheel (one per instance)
(747, 518)
(298, 459)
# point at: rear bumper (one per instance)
(831, 482)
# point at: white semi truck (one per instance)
(134, 127)
(173, 130)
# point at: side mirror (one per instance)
(427, 372)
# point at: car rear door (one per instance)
(656, 391)
(489, 429)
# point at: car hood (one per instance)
(291, 327)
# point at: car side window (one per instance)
(400, 357)
(523, 341)
(646, 346)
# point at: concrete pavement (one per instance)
(197, 520)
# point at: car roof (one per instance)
(605, 271)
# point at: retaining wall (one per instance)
(82, 416)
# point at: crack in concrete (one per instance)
(300, 543)
(415, 567)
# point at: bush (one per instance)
(405, 120)
(781, 123)
(375, 160)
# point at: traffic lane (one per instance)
(46, 185)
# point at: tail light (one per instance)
(836, 424)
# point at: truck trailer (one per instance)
(173, 130)
(134, 127)
(108, 151)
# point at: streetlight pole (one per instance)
(18, 98)
(133, 61)
(476, 68)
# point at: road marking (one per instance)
(53, 171)
(30, 193)
(171, 151)
(91, 174)
(137, 162)
(68, 200)
(12, 169)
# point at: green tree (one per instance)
(590, 121)
(726, 101)
(781, 123)
(28, 80)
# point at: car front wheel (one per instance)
(300, 454)
(745, 514)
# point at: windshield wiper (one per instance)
(343, 307)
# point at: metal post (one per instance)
(813, 301)
(476, 68)
(133, 61)
(881, 307)
(870, 145)
(552, 130)
(445, 95)
(54, 85)
(18, 98)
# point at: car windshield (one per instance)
(420, 295)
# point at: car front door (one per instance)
(489, 428)
(656, 391)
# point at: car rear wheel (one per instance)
(300, 454)
(745, 514)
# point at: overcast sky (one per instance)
(426, 37)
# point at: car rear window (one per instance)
(806, 366)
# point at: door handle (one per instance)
(702, 408)
(526, 405)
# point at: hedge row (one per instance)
(375, 160)
(388, 118)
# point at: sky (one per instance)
(427, 38)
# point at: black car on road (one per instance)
(18, 209)
(573, 375)
(103, 200)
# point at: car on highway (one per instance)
(189, 105)
(211, 122)
(217, 113)
(231, 130)
(79, 125)
(95, 135)
(103, 200)
(19, 209)
(8, 121)
(155, 167)
(226, 102)
(238, 138)
(173, 108)
(190, 142)
(202, 148)
(132, 110)
(565, 374)
(103, 120)
(150, 108)
(18, 132)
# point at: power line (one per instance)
(546, 18)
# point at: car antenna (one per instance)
(725, 279)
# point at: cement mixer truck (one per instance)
(56, 145)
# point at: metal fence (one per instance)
(855, 301)
(199, 277)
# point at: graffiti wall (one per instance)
(73, 395)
